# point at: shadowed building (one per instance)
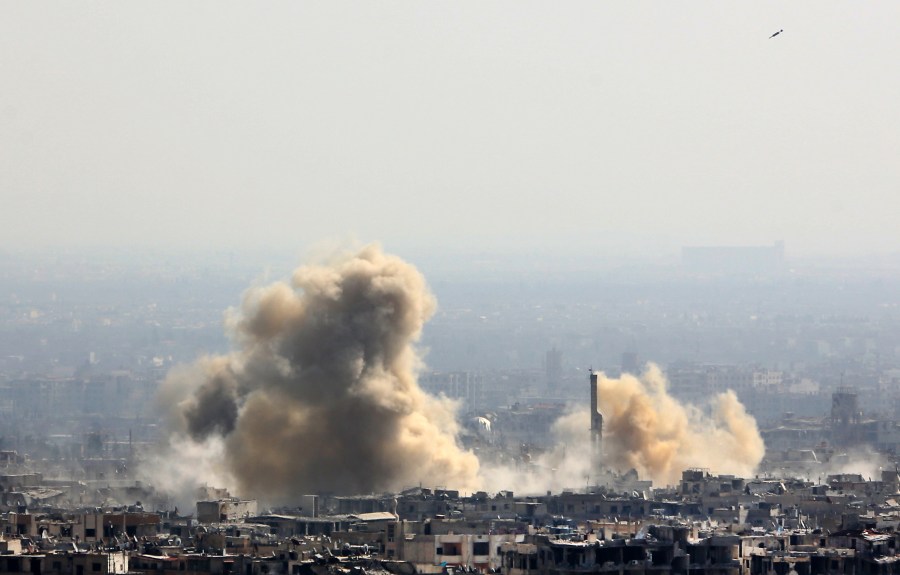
(596, 422)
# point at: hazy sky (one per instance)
(601, 126)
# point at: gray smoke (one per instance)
(321, 394)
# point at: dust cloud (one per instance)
(644, 429)
(647, 429)
(320, 394)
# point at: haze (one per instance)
(584, 127)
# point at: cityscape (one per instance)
(334, 287)
(763, 438)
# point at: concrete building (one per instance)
(111, 563)
(664, 550)
(225, 510)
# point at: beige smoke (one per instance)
(321, 393)
(647, 429)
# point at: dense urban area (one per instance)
(810, 348)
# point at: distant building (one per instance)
(845, 416)
(530, 425)
(467, 387)
(733, 260)
(553, 366)
(225, 510)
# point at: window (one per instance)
(481, 548)
(452, 549)
(95, 567)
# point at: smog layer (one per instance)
(320, 394)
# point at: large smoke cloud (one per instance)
(320, 394)
(645, 429)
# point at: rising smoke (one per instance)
(320, 394)
(648, 430)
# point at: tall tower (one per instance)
(596, 421)
(845, 416)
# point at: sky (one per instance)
(527, 127)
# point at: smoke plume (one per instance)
(647, 429)
(320, 394)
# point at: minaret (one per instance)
(596, 421)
